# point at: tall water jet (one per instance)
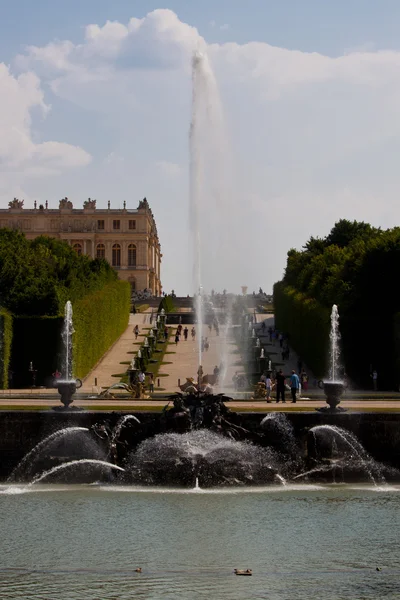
(67, 386)
(67, 333)
(208, 150)
(334, 337)
(333, 387)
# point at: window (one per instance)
(116, 255)
(132, 223)
(100, 251)
(100, 224)
(132, 255)
(116, 224)
(78, 249)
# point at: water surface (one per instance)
(302, 542)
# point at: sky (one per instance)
(95, 101)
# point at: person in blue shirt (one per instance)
(294, 385)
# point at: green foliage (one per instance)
(6, 333)
(355, 267)
(167, 303)
(37, 277)
(307, 323)
(99, 319)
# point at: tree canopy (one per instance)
(37, 277)
(356, 267)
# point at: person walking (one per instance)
(136, 331)
(294, 385)
(193, 333)
(280, 386)
(185, 333)
(151, 383)
(176, 337)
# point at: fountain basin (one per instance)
(333, 390)
(67, 389)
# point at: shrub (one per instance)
(99, 319)
(167, 304)
(307, 323)
(6, 331)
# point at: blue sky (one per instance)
(310, 92)
(308, 25)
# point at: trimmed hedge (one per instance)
(307, 323)
(99, 319)
(167, 304)
(36, 340)
(6, 334)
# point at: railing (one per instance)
(135, 268)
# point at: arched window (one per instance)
(132, 255)
(78, 249)
(116, 255)
(100, 251)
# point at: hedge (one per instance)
(308, 325)
(36, 340)
(6, 331)
(167, 304)
(99, 319)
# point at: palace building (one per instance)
(126, 238)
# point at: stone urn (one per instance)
(333, 391)
(67, 389)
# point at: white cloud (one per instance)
(20, 156)
(313, 138)
(224, 27)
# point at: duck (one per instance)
(243, 572)
(138, 570)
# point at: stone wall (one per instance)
(21, 431)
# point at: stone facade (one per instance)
(126, 238)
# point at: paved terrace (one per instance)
(183, 363)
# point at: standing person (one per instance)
(294, 385)
(299, 365)
(280, 386)
(166, 333)
(216, 374)
(176, 337)
(263, 327)
(268, 387)
(151, 383)
(206, 344)
(375, 379)
(200, 375)
(193, 333)
(136, 331)
(235, 380)
(185, 333)
(304, 380)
